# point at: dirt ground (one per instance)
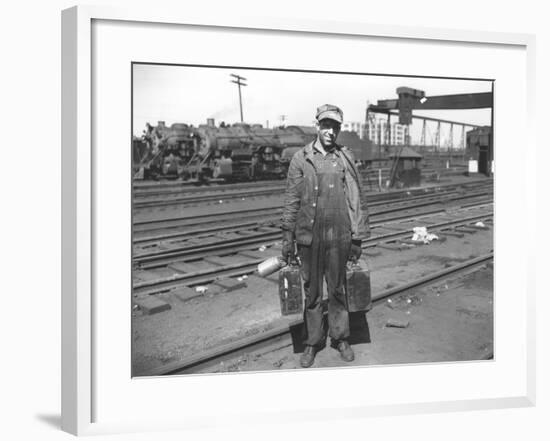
(448, 322)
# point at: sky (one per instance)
(190, 95)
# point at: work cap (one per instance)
(331, 112)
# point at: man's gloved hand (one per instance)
(288, 251)
(355, 250)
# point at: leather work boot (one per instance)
(345, 351)
(307, 357)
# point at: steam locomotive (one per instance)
(237, 152)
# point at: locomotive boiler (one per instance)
(237, 152)
(163, 151)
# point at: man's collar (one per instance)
(319, 147)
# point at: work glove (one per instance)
(355, 250)
(288, 250)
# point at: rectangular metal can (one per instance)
(358, 290)
(290, 290)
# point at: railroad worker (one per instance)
(324, 216)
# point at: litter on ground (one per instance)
(421, 235)
(395, 323)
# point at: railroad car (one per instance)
(239, 152)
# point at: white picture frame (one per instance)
(84, 205)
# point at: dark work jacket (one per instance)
(302, 192)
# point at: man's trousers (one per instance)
(325, 260)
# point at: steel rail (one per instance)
(206, 276)
(194, 199)
(258, 237)
(202, 216)
(200, 199)
(195, 252)
(175, 221)
(164, 188)
(171, 187)
(235, 227)
(198, 231)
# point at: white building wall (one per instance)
(355, 126)
(376, 131)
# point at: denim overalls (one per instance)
(327, 255)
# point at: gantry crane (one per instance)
(413, 99)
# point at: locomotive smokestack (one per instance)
(210, 122)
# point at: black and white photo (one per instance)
(289, 219)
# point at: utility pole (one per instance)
(239, 84)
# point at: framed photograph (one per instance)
(255, 207)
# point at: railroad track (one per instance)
(155, 224)
(184, 195)
(183, 236)
(158, 199)
(170, 185)
(224, 237)
(282, 336)
(204, 263)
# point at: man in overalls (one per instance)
(324, 215)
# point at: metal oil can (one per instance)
(358, 292)
(290, 290)
(269, 266)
